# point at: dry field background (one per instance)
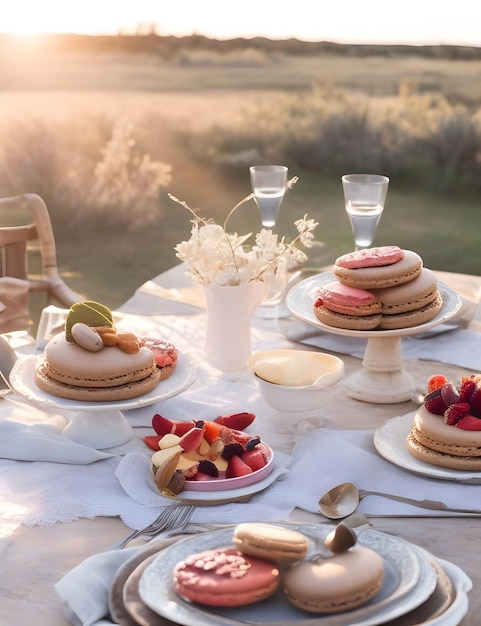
(58, 109)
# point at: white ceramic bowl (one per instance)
(285, 377)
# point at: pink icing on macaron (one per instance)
(337, 293)
(371, 257)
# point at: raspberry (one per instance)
(455, 412)
(436, 381)
(434, 403)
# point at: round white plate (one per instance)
(409, 579)
(22, 380)
(226, 495)
(300, 301)
(389, 441)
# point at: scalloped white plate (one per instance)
(409, 580)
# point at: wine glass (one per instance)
(364, 197)
(268, 183)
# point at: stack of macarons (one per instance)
(384, 288)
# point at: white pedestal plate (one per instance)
(382, 378)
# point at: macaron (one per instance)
(347, 307)
(268, 541)
(365, 271)
(225, 577)
(342, 582)
(411, 303)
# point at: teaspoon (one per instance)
(342, 500)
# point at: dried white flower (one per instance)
(218, 257)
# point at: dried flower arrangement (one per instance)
(215, 256)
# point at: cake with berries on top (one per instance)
(447, 427)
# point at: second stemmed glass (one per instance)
(268, 184)
(364, 198)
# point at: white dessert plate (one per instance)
(22, 380)
(300, 301)
(408, 581)
(225, 495)
(223, 484)
(389, 441)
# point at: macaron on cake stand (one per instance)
(99, 425)
(382, 378)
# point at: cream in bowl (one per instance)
(296, 380)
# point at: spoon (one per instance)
(342, 500)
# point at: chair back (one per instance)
(28, 262)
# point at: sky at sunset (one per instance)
(343, 21)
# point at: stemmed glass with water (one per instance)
(269, 184)
(364, 198)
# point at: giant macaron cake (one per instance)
(93, 361)
(446, 429)
(384, 288)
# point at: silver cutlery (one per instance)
(173, 518)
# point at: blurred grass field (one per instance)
(58, 112)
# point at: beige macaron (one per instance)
(269, 541)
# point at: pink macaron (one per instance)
(347, 307)
(371, 257)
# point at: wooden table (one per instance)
(34, 559)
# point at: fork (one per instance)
(173, 518)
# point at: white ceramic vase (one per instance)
(228, 328)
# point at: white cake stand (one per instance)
(382, 378)
(99, 425)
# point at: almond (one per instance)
(128, 342)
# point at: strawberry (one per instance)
(238, 421)
(469, 422)
(436, 382)
(255, 459)
(192, 439)
(455, 412)
(434, 403)
(162, 425)
(237, 467)
(153, 441)
(180, 428)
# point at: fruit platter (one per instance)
(202, 455)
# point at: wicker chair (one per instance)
(17, 281)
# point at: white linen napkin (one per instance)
(323, 458)
(29, 434)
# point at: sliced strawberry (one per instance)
(153, 441)
(162, 425)
(456, 411)
(180, 428)
(436, 382)
(192, 439)
(469, 422)
(212, 431)
(202, 477)
(237, 467)
(434, 403)
(255, 459)
(238, 421)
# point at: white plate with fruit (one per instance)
(192, 459)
